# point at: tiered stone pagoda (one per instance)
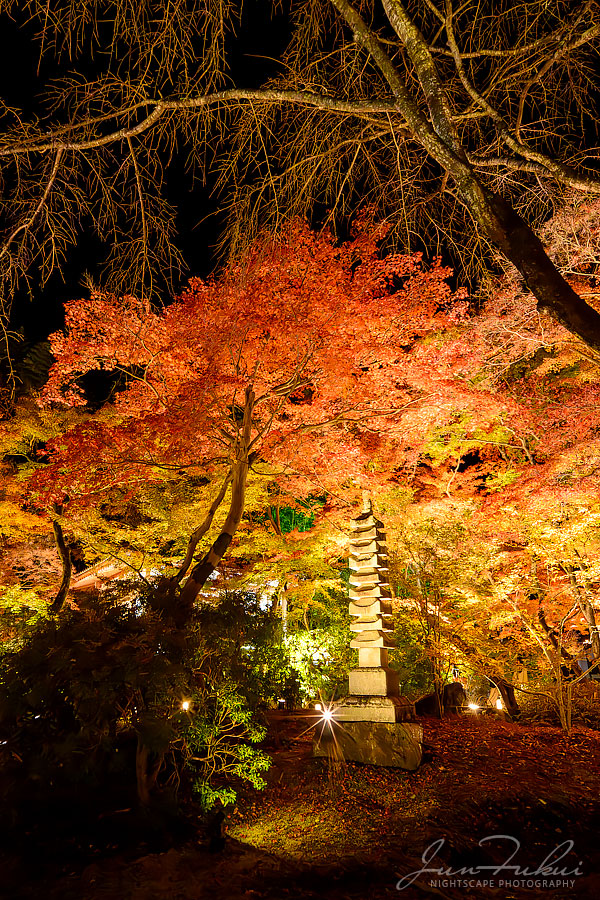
(373, 686)
(370, 725)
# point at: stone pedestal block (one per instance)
(374, 681)
(373, 743)
(374, 709)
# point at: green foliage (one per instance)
(499, 480)
(321, 658)
(15, 522)
(20, 609)
(448, 442)
(408, 659)
(284, 514)
(26, 432)
(218, 743)
(453, 441)
(291, 519)
(251, 650)
(311, 659)
(94, 701)
(208, 796)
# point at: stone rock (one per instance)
(427, 706)
(454, 698)
(372, 743)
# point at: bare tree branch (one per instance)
(25, 226)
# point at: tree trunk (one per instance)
(508, 696)
(495, 216)
(207, 565)
(552, 637)
(141, 773)
(65, 556)
(589, 614)
(523, 248)
(145, 772)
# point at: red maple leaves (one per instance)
(303, 320)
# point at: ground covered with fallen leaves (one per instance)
(323, 830)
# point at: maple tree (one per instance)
(287, 366)
(518, 481)
(263, 399)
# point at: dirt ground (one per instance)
(349, 831)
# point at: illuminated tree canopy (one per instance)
(317, 369)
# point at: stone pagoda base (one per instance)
(374, 709)
(372, 743)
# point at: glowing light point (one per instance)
(498, 704)
(473, 706)
(185, 705)
(318, 707)
(327, 715)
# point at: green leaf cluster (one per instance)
(20, 609)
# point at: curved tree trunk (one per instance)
(165, 592)
(207, 565)
(508, 696)
(523, 248)
(65, 556)
(588, 612)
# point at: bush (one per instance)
(321, 658)
(306, 662)
(251, 650)
(409, 659)
(20, 608)
(106, 707)
(539, 709)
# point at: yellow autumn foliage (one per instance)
(16, 523)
